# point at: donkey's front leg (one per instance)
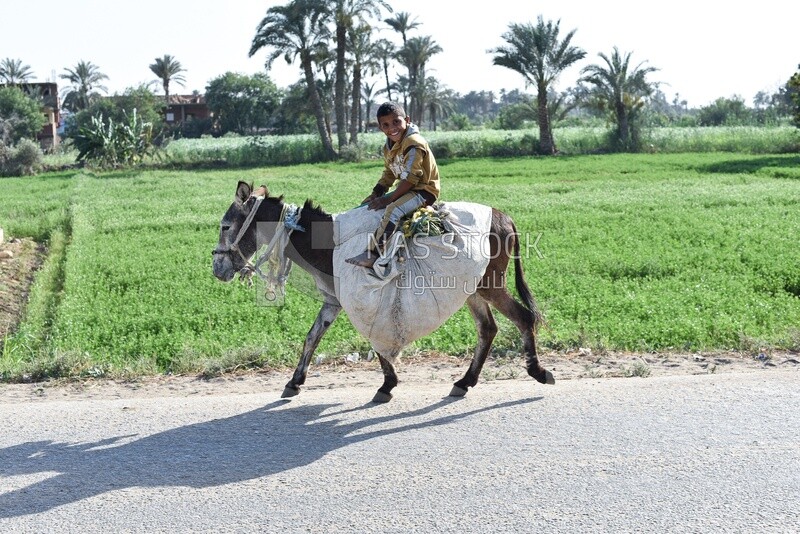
(324, 319)
(384, 394)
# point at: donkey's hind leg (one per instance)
(523, 319)
(384, 393)
(487, 329)
(324, 319)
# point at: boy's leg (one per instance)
(395, 211)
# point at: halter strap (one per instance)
(247, 222)
(278, 264)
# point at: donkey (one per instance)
(312, 250)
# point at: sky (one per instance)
(703, 50)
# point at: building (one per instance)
(183, 108)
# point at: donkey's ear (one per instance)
(243, 191)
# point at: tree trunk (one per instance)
(316, 104)
(356, 104)
(388, 83)
(547, 146)
(622, 124)
(339, 87)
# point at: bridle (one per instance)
(278, 268)
(234, 247)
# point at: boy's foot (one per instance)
(365, 259)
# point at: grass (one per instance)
(638, 252)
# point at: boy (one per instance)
(408, 158)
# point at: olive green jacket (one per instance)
(410, 159)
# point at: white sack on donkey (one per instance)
(418, 282)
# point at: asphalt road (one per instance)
(705, 453)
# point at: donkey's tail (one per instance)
(522, 287)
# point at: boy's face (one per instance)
(393, 125)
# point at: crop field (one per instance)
(262, 151)
(623, 252)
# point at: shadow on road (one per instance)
(250, 445)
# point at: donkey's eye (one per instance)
(225, 227)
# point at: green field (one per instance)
(261, 151)
(638, 252)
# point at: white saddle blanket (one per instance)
(418, 283)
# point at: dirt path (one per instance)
(438, 371)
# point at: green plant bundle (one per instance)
(425, 221)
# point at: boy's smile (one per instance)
(394, 126)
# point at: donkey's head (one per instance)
(237, 233)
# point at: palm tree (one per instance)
(403, 88)
(536, 52)
(85, 79)
(620, 89)
(401, 23)
(324, 58)
(414, 56)
(297, 30)
(364, 60)
(368, 93)
(385, 51)
(168, 69)
(346, 12)
(13, 72)
(439, 100)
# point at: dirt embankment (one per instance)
(19, 259)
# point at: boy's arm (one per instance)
(378, 191)
(381, 202)
(414, 171)
(383, 185)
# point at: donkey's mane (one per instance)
(313, 212)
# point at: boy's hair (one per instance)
(390, 108)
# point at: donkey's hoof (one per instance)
(458, 391)
(382, 397)
(289, 392)
(549, 378)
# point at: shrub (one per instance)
(193, 129)
(28, 158)
(23, 160)
(20, 116)
(352, 153)
(117, 144)
(118, 109)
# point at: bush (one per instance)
(353, 153)
(457, 121)
(193, 129)
(725, 112)
(20, 116)
(116, 144)
(23, 160)
(118, 109)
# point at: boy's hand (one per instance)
(379, 203)
(368, 199)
